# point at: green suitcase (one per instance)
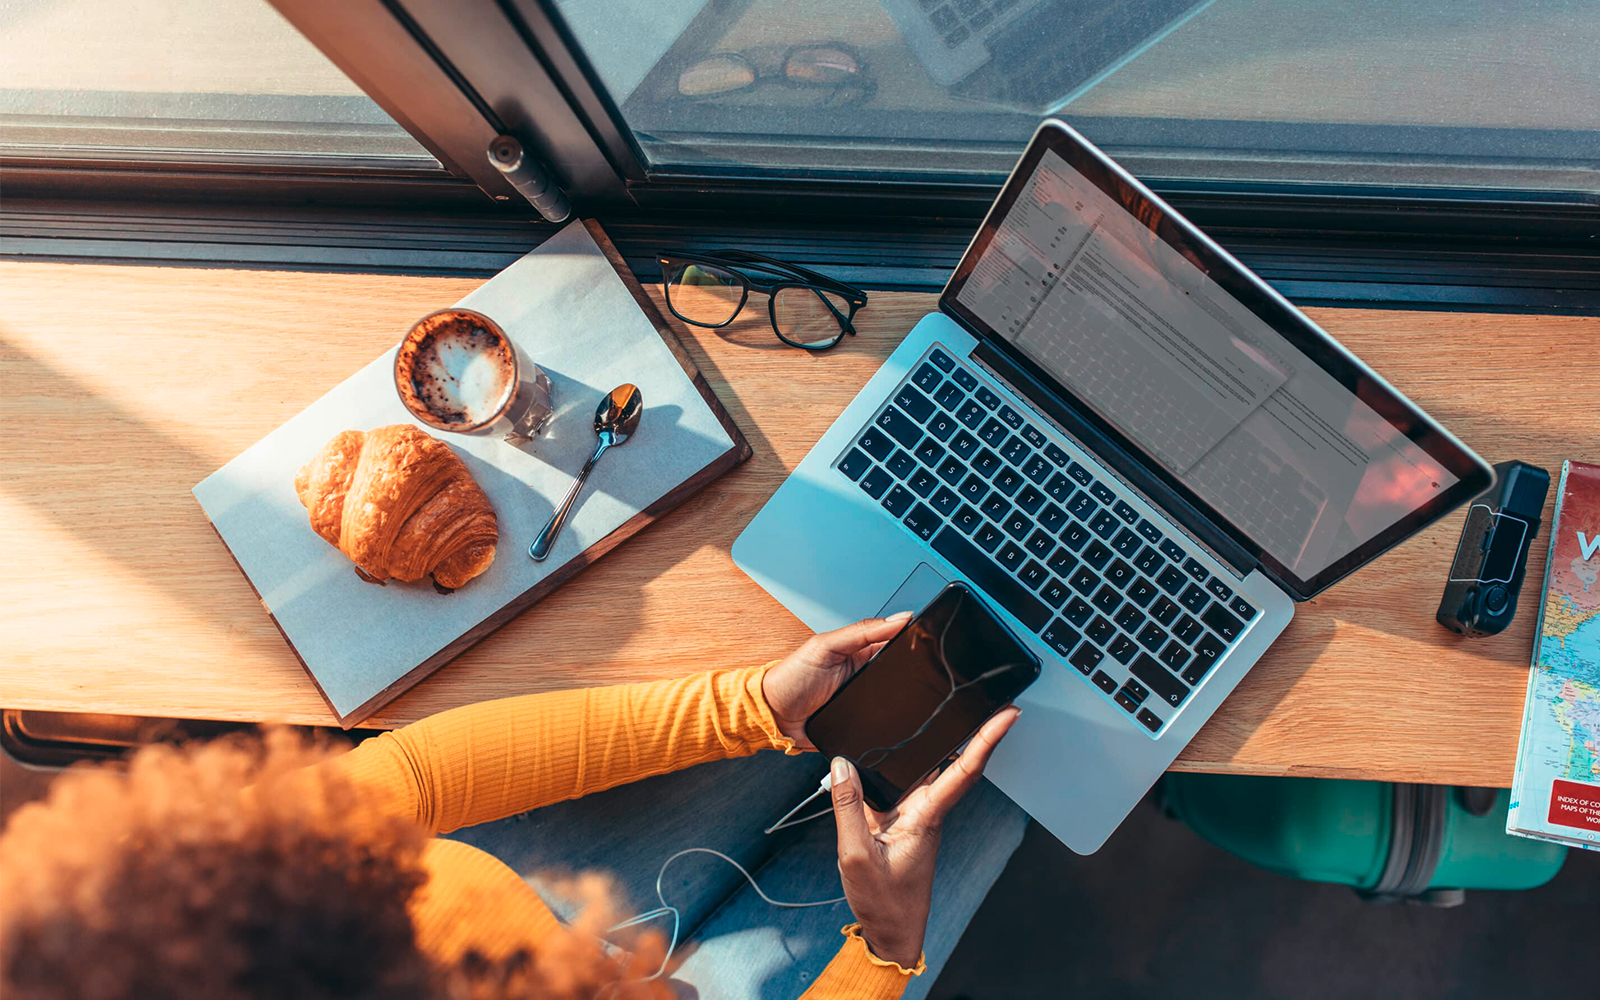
(1389, 842)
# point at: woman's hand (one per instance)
(886, 859)
(805, 679)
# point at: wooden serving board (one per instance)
(579, 313)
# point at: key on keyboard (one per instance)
(966, 519)
(875, 482)
(1157, 678)
(901, 464)
(854, 464)
(941, 427)
(1078, 612)
(1010, 555)
(987, 537)
(1059, 488)
(1113, 618)
(1221, 622)
(927, 378)
(915, 403)
(1060, 637)
(1086, 658)
(897, 500)
(1015, 450)
(922, 521)
(1097, 555)
(991, 579)
(900, 427)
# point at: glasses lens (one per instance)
(822, 66)
(809, 317)
(703, 294)
(720, 74)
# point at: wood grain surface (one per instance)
(121, 387)
(738, 451)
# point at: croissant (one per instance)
(400, 504)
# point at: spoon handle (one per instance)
(541, 545)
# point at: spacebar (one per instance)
(991, 579)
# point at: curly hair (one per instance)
(237, 870)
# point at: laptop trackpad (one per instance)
(922, 586)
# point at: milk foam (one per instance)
(463, 374)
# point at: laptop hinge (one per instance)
(1119, 460)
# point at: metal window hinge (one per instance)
(530, 178)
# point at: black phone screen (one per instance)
(923, 695)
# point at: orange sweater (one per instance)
(493, 760)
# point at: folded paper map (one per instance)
(1555, 794)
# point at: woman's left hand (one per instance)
(802, 681)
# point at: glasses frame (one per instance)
(740, 263)
(861, 78)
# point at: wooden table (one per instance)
(124, 386)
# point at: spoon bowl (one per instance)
(618, 413)
(616, 420)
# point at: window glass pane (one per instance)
(185, 79)
(1388, 92)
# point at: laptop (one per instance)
(1136, 450)
(1035, 55)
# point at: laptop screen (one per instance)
(1228, 391)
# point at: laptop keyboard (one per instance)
(957, 20)
(1066, 554)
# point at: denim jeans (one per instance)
(733, 945)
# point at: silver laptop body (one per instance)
(1150, 550)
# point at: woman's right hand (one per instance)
(886, 860)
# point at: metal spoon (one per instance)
(616, 419)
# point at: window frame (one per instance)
(456, 73)
(1474, 214)
(376, 45)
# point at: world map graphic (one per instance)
(1561, 720)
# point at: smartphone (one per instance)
(923, 695)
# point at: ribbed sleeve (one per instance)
(495, 759)
(857, 974)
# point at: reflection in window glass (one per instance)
(184, 78)
(1392, 92)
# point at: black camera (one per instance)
(1480, 596)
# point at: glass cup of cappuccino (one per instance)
(456, 370)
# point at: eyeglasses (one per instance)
(807, 309)
(833, 67)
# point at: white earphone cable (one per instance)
(677, 917)
(666, 909)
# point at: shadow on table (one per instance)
(1264, 688)
(119, 481)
